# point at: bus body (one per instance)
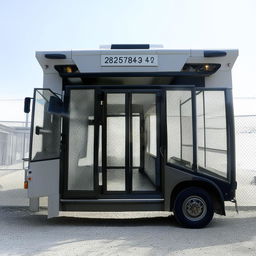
(134, 128)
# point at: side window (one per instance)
(46, 128)
(81, 140)
(179, 127)
(211, 132)
(150, 127)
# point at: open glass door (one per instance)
(44, 166)
(46, 128)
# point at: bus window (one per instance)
(211, 132)
(81, 140)
(179, 127)
(150, 126)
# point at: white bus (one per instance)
(134, 128)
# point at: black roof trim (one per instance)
(55, 56)
(212, 54)
(130, 46)
(137, 74)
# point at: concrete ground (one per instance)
(23, 233)
(141, 233)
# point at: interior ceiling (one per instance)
(137, 98)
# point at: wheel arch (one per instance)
(210, 187)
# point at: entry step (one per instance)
(97, 201)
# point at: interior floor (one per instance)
(116, 180)
(140, 182)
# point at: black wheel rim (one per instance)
(194, 208)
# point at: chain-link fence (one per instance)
(14, 146)
(245, 126)
(14, 134)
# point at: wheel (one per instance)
(193, 208)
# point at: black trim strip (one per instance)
(212, 177)
(55, 56)
(121, 167)
(137, 74)
(104, 142)
(181, 142)
(213, 54)
(32, 126)
(130, 142)
(230, 124)
(194, 127)
(130, 46)
(204, 121)
(127, 142)
(150, 200)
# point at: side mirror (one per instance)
(55, 106)
(27, 102)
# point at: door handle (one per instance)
(41, 130)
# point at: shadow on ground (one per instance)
(34, 234)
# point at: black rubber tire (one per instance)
(193, 196)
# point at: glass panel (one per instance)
(46, 129)
(179, 128)
(144, 177)
(186, 130)
(152, 132)
(81, 140)
(211, 133)
(116, 142)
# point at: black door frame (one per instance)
(128, 139)
(98, 191)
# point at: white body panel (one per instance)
(44, 181)
(222, 78)
(89, 61)
(54, 80)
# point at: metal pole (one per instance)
(26, 124)
(24, 139)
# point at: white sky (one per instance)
(29, 25)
